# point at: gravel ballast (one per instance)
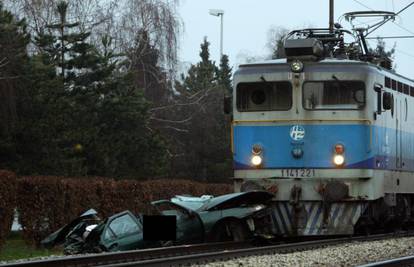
(350, 254)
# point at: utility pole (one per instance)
(331, 16)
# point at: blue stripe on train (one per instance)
(361, 151)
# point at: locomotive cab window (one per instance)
(330, 95)
(264, 96)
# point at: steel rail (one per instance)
(111, 258)
(191, 254)
(403, 261)
(255, 251)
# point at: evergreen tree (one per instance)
(85, 118)
(124, 146)
(224, 75)
(206, 144)
(13, 83)
(207, 68)
(202, 75)
(69, 49)
(75, 98)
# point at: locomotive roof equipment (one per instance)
(314, 44)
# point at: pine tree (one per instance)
(68, 49)
(13, 83)
(224, 75)
(202, 75)
(207, 69)
(71, 109)
(206, 144)
(72, 117)
(94, 120)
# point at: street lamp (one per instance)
(219, 13)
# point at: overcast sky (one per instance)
(246, 23)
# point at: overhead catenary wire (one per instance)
(403, 52)
(399, 12)
(407, 30)
(388, 19)
(396, 50)
(392, 37)
(362, 4)
(385, 21)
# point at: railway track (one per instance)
(112, 258)
(193, 254)
(403, 261)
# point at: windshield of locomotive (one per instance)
(264, 96)
(334, 95)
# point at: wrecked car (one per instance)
(90, 234)
(231, 217)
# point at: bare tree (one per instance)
(40, 13)
(275, 36)
(157, 18)
(121, 20)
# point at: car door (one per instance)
(190, 228)
(123, 231)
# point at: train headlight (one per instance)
(339, 160)
(256, 160)
(296, 66)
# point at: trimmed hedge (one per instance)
(7, 203)
(46, 203)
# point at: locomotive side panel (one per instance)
(395, 133)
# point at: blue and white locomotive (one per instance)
(330, 131)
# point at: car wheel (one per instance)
(230, 231)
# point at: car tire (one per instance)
(231, 230)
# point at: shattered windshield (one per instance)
(264, 96)
(334, 95)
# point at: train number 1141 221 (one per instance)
(298, 173)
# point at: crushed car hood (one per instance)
(223, 202)
(236, 200)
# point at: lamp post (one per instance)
(219, 13)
